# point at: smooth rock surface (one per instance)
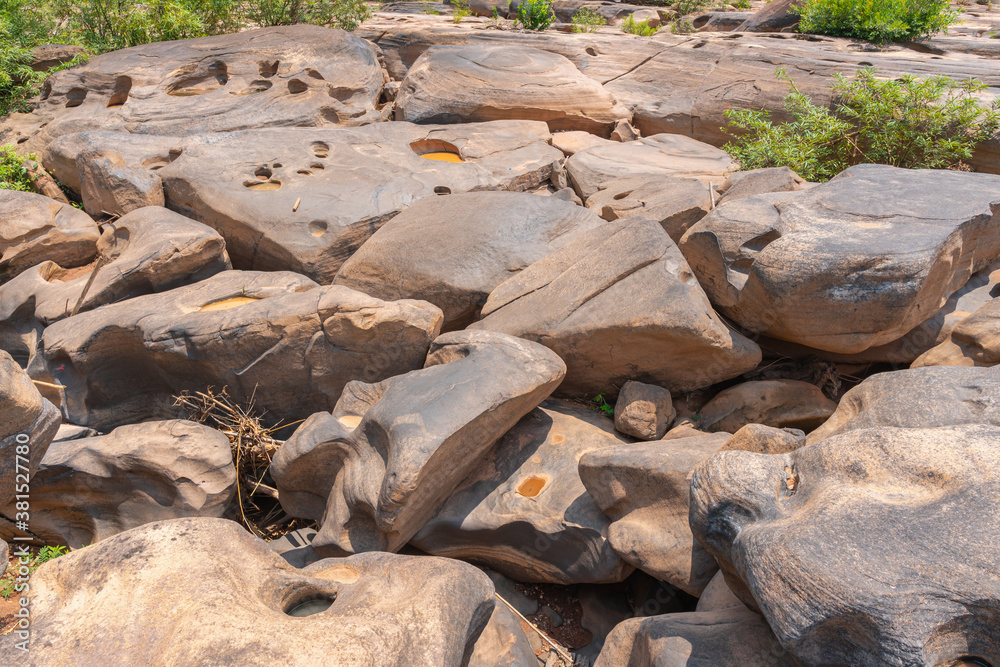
(975, 341)
(778, 403)
(761, 181)
(377, 469)
(276, 336)
(452, 251)
(621, 304)
(850, 264)
(676, 203)
(110, 187)
(462, 84)
(109, 603)
(34, 228)
(524, 511)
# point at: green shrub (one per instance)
(641, 28)
(461, 10)
(13, 173)
(878, 21)
(932, 123)
(743, 5)
(587, 20)
(681, 26)
(688, 7)
(535, 14)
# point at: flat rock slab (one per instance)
(377, 469)
(621, 304)
(304, 199)
(389, 610)
(34, 228)
(866, 547)
(593, 168)
(452, 251)
(276, 336)
(850, 264)
(461, 84)
(676, 203)
(524, 511)
(298, 75)
(88, 489)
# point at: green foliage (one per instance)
(688, 7)
(641, 28)
(878, 21)
(44, 555)
(535, 14)
(13, 174)
(743, 5)
(681, 26)
(587, 20)
(932, 123)
(601, 403)
(461, 10)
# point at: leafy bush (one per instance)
(13, 173)
(535, 14)
(877, 21)
(587, 20)
(932, 123)
(641, 28)
(743, 5)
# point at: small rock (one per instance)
(644, 411)
(760, 181)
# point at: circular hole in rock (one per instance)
(304, 172)
(320, 149)
(435, 149)
(277, 165)
(266, 185)
(621, 195)
(591, 51)
(442, 190)
(317, 227)
(316, 165)
(969, 661)
(314, 74)
(263, 173)
(311, 606)
(531, 486)
(295, 87)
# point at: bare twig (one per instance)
(563, 653)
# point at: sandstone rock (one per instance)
(296, 547)
(620, 304)
(719, 21)
(765, 439)
(644, 411)
(503, 642)
(452, 251)
(304, 199)
(724, 638)
(624, 132)
(575, 141)
(862, 549)
(975, 341)
(376, 470)
(760, 181)
(47, 56)
(461, 84)
(643, 489)
(676, 203)
(524, 511)
(28, 423)
(612, 12)
(177, 578)
(717, 595)
(777, 16)
(660, 155)
(487, 7)
(917, 398)
(88, 489)
(300, 75)
(34, 228)
(650, 15)
(778, 403)
(110, 187)
(886, 245)
(275, 336)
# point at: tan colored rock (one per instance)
(109, 187)
(765, 439)
(461, 84)
(777, 16)
(644, 411)
(975, 341)
(305, 199)
(888, 246)
(503, 642)
(620, 304)
(575, 141)
(778, 403)
(761, 181)
(659, 155)
(34, 228)
(524, 512)
(275, 336)
(88, 489)
(378, 468)
(676, 203)
(453, 251)
(717, 595)
(146, 597)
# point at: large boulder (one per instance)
(676, 203)
(643, 489)
(975, 341)
(865, 548)
(377, 469)
(88, 489)
(618, 304)
(461, 84)
(776, 16)
(778, 403)
(734, 637)
(452, 251)
(660, 155)
(28, 423)
(304, 199)
(917, 398)
(300, 75)
(276, 337)
(524, 511)
(146, 597)
(34, 228)
(110, 187)
(887, 246)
